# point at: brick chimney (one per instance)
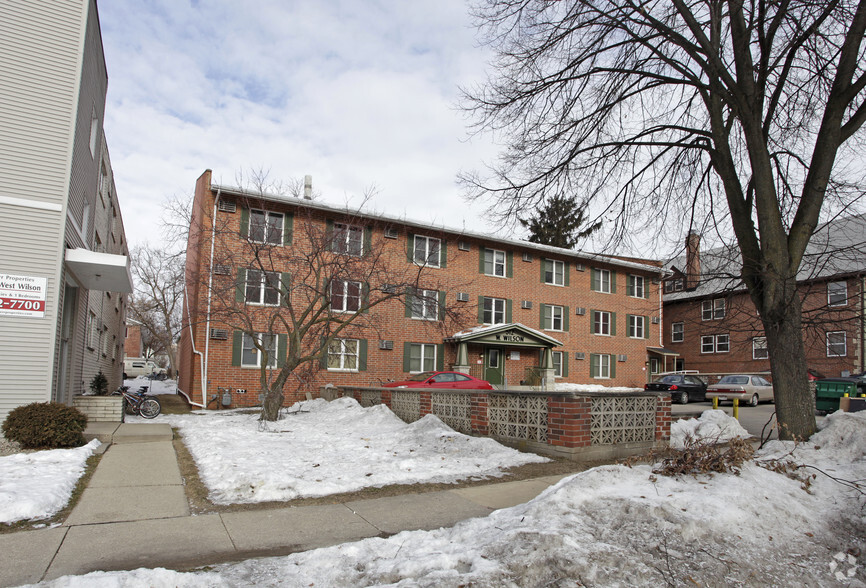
(693, 260)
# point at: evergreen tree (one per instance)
(558, 223)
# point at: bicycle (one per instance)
(139, 402)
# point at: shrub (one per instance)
(99, 384)
(45, 425)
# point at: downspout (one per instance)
(194, 350)
(209, 299)
(862, 323)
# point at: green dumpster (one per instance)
(829, 391)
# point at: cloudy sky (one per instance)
(354, 93)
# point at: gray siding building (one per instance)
(64, 269)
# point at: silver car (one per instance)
(747, 389)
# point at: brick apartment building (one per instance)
(711, 323)
(507, 311)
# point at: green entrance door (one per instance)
(494, 366)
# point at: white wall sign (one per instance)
(22, 295)
(513, 355)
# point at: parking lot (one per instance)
(753, 419)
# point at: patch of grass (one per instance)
(174, 404)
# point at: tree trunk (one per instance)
(795, 406)
(272, 404)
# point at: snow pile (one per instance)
(713, 425)
(37, 485)
(566, 387)
(323, 448)
(611, 526)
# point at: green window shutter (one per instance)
(593, 279)
(613, 282)
(368, 240)
(362, 355)
(442, 303)
(410, 247)
(565, 364)
(541, 322)
(237, 347)
(407, 353)
(408, 301)
(628, 331)
(543, 265)
(612, 366)
(241, 290)
(443, 253)
(323, 349)
(613, 323)
(282, 350)
(365, 297)
(565, 272)
(481, 252)
(440, 357)
(285, 287)
(646, 327)
(245, 222)
(565, 318)
(509, 264)
(288, 228)
(508, 310)
(480, 310)
(629, 285)
(593, 365)
(592, 321)
(329, 235)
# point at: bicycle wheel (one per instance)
(149, 407)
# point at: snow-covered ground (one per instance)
(713, 425)
(37, 485)
(323, 448)
(611, 526)
(154, 386)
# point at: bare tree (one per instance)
(680, 113)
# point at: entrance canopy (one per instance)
(100, 271)
(506, 335)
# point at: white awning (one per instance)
(100, 271)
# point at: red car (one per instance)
(452, 380)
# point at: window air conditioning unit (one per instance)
(580, 311)
(220, 334)
(579, 355)
(389, 289)
(462, 245)
(580, 267)
(656, 320)
(621, 357)
(383, 344)
(527, 257)
(222, 270)
(462, 297)
(526, 304)
(390, 233)
(227, 206)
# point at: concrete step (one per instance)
(142, 433)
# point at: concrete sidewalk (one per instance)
(134, 513)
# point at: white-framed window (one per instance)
(759, 348)
(713, 310)
(837, 344)
(708, 344)
(600, 365)
(601, 322)
(494, 262)
(723, 343)
(554, 272)
(348, 239)
(425, 305)
(715, 343)
(92, 331)
(837, 293)
(557, 363)
(678, 331)
(636, 286)
(94, 131)
(494, 311)
(552, 317)
(343, 355)
(346, 295)
(636, 326)
(422, 357)
(252, 357)
(266, 227)
(263, 287)
(427, 251)
(601, 280)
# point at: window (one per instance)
(92, 331)
(677, 332)
(601, 280)
(494, 262)
(707, 344)
(557, 364)
(636, 286)
(599, 366)
(554, 272)
(252, 357)
(343, 355)
(94, 131)
(837, 345)
(425, 305)
(493, 311)
(266, 227)
(422, 357)
(673, 285)
(348, 239)
(715, 343)
(713, 310)
(723, 343)
(837, 293)
(759, 348)
(427, 251)
(637, 327)
(345, 295)
(263, 287)
(552, 317)
(601, 323)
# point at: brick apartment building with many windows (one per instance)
(712, 325)
(430, 298)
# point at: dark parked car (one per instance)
(453, 380)
(684, 388)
